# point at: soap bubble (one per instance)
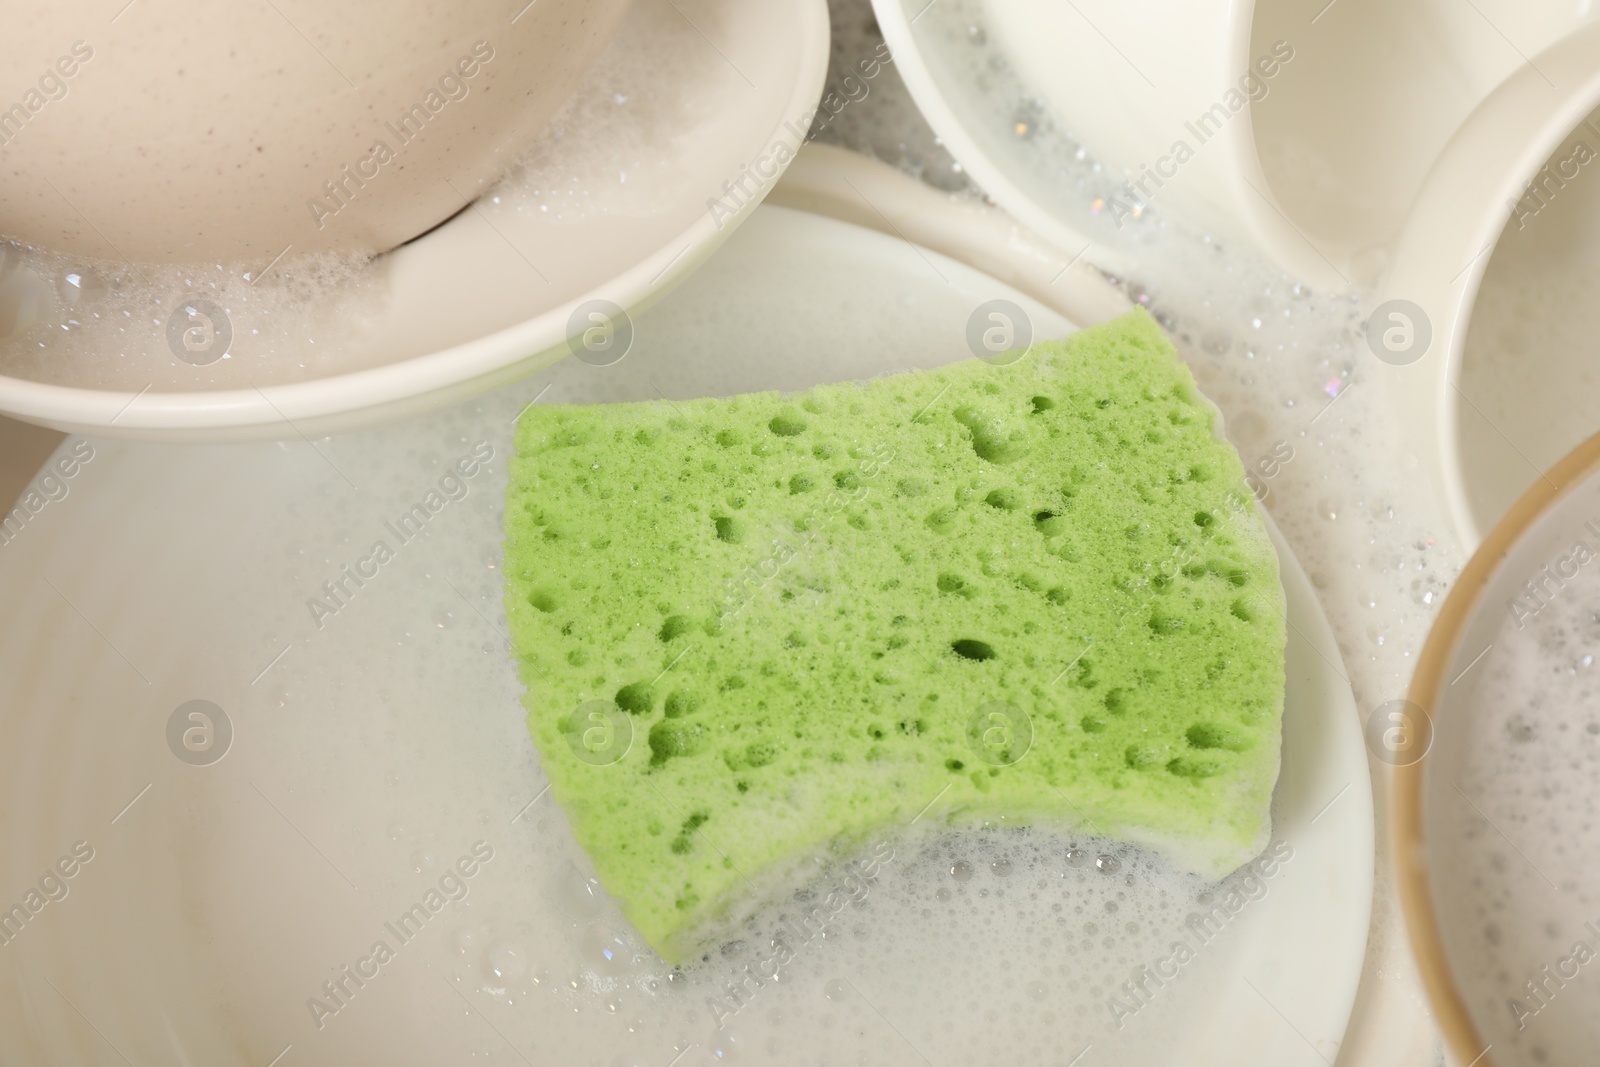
(578, 894)
(605, 949)
(504, 962)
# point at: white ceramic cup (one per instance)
(175, 131)
(1486, 323)
(1302, 128)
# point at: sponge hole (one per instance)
(680, 704)
(787, 424)
(1163, 625)
(973, 649)
(674, 626)
(911, 487)
(1049, 523)
(544, 598)
(1215, 735)
(1004, 499)
(637, 698)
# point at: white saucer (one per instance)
(371, 748)
(463, 310)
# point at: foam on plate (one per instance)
(391, 733)
(874, 590)
(1512, 818)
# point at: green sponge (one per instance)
(762, 628)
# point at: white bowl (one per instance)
(1483, 438)
(1492, 823)
(463, 312)
(192, 133)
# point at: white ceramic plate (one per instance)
(374, 744)
(463, 310)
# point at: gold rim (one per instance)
(1405, 819)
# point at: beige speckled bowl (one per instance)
(1442, 662)
(172, 131)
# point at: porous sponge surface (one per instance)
(1037, 592)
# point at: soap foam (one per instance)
(1513, 821)
(123, 326)
(984, 944)
(987, 523)
(603, 152)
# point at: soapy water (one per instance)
(990, 943)
(109, 325)
(603, 154)
(1512, 817)
(378, 722)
